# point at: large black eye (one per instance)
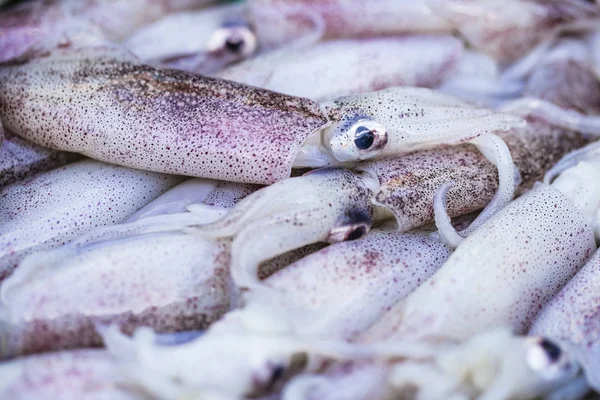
(551, 349)
(363, 137)
(234, 43)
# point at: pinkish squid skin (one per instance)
(328, 70)
(330, 295)
(571, 318)
(51, 208)
(169, 281)
(550, 239)
(73, 375)
(45, 23)
(161, 120)
(20, 159)
(408, 184)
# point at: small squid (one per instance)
(51, 208)
(571, 316)
(44, 24)
(101, 102)
(312, 305)
(336, 68)
(201, 41)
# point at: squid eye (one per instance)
(348, 232)
(363, 137)
(551, 349)
(357, 233)
(236, 39)
(234, 44)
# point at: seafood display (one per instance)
(299, 199)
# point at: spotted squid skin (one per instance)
(20, 159)
(571, 318)
(332, 69)
(73, 375)
(529, 251)
(49, 209)
(408, 184)
(228, 194)
(108, 107)
(354, 283)
(127, 282)
(45, 23)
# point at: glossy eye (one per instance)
(551, 349)
(348, 232)
(363, 137)
(357, 233)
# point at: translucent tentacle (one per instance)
(555, 115)
(497, 152)
(591, 152)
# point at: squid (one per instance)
(201, 41)
(51, 208)
(551, 237)
(45, 24)
(147, 271)
(319, 301)
(569, 317)
(100, 102)
(336, 68)
(507, 32)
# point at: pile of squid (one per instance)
(299, 199)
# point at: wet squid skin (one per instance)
(20, 159)
(331, 69)
(51, 208)
(533, 247)
(148, 272)
(45, 23)
(408, 184)
(332, 294)
(571, 318)
(162, 120)
(127, 282)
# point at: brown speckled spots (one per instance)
(499, 276)
(106, 106)
(409, 183)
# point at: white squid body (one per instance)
(76, 375)
(144, 272)
(328, 296)
(50, 209)
(502, 274)
(337, 68)
(200, 41)
(571, 318)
